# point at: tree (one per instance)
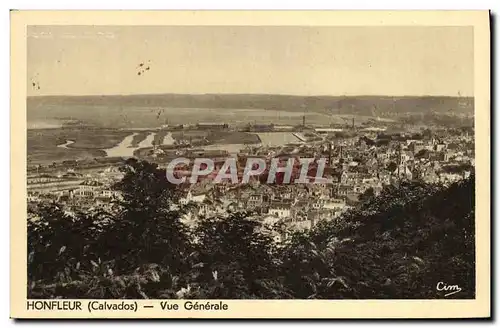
(392, 166)
(422, 153)
(367, 195)
(148, 229)
(403, 242)
(233, 259)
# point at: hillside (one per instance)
(358, 105)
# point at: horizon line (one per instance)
(246, 94)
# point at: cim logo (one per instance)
(449, 289)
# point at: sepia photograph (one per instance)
(250, 162)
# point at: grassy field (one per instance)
(159, 137)
(140, 136)
(277, 138)
(54, 154)
(84, 138)
(230, 137)
(42, 144)
(216, 137)
(98, 139)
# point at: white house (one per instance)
(280, 209)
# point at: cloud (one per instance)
(41, 35)
(86, 35)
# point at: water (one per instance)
(168, 140)
(148, 142)
(39, 124)
(66, 144)
(124, 148)
(43, 115)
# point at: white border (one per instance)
(189, 4)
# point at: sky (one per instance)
(294, 60)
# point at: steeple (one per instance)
(330, 154)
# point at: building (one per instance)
(211, 126)
(192, 197)
(89, 188)
(255, 200)
(403, 172)
(280, 209)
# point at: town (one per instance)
(347, 165)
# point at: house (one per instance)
(42, 178)
(344, 177)
(318, 204)
(333, 175)
(110, 193)
(359, 189)
(448, 178)
(447, 156)
(405, 156)
(280, 209)
(187, 199)
(403, 172)
(255, 200)
(300, 206)
(89, 188)
(440, 147)
(192, 197)
(32, 197)
(417, 147)
(302, 225)
(335, 204)
(344, 190)
(384, 177)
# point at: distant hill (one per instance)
(357, 105)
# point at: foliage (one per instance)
(367, 195)
(399, 244)
(233, 258)
(147, 229)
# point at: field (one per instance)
(228, 138)
(58, 144)
(42, 144)
(140, 136)
(277, 138)
(160, 136)
(216, 137)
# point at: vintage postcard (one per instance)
(250, 164)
